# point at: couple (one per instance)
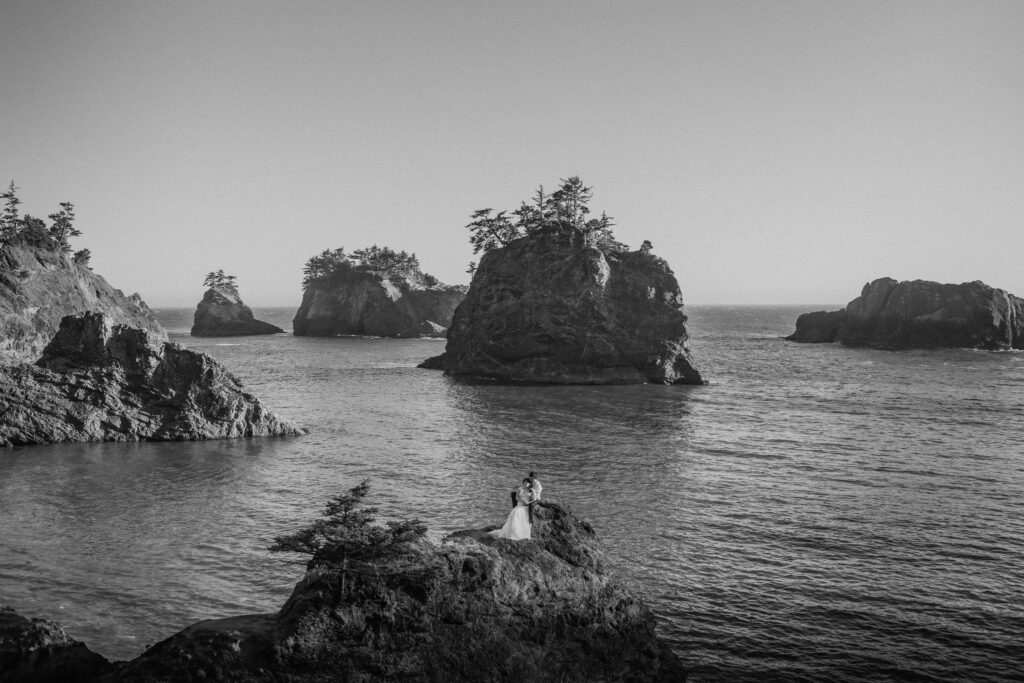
(517, 526)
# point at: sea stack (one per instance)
(376, 292)
(470, 608)
(222, 313)
(920, 314)
(99, 381)
(556, 307)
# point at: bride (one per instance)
(517, 526)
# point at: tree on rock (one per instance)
(346, 539)
(564, 211)
(217, 279)
(10, 221)
(63, 227)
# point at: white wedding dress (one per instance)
(517, 526)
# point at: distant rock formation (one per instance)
(39, 285)
(472, 608)
(222, 313)
(375, 292)
(550, 308)
(920, 314)
(100, 381)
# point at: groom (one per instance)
(536, 488)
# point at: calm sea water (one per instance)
(815, 513)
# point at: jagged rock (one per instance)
(222, 313)
(549, 308)
(39, 285)
(472, 608)
(921, 314)
(818, 327)
(99, 381)
(368, 302)
(39, 651)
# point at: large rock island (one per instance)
(376, 292)
(222, 313)
(384, 604)
(920, 314)
(558, 300)
(99, 381)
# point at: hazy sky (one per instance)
(773, 152)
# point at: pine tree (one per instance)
(63, 228)
(10, 221)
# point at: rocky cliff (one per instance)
(222, 313)
(100, 381)
(376, 303)
(469, 609)
(920, 314)
(548, 308)
(39, 285)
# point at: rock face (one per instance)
(222, 313)
(99, 381)
(920, 314)
(362, 302)
(39, 650)
(547, 309)
(39, 286)
(472, 608)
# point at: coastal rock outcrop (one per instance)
(222, 313)
(40, 651)
(919, 314)
(375, 291)
(551, 308)
(470, 608)
(40, 284)
(101, 381)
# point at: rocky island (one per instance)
(375, 291)
(222, 313)
(83, 362)
(920, 314)
(556, 299)
(383, 604)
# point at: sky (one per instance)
(782, 152)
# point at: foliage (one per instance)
(563, 211)
(220, 280)
(345, 537)
(330, 264)
(63, 228)
(10, 223)
(33, 230)
(82, 257)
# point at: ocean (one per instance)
(815, 513)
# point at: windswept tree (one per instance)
(10, 220)
(345, 538)
(82, 257)
(63, 227)
(490, 232)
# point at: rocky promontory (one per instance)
(552, 307)
(101, 381)
(222, 313)
(471, 608)
(920, 314)
(376, 292)
(40, 284)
